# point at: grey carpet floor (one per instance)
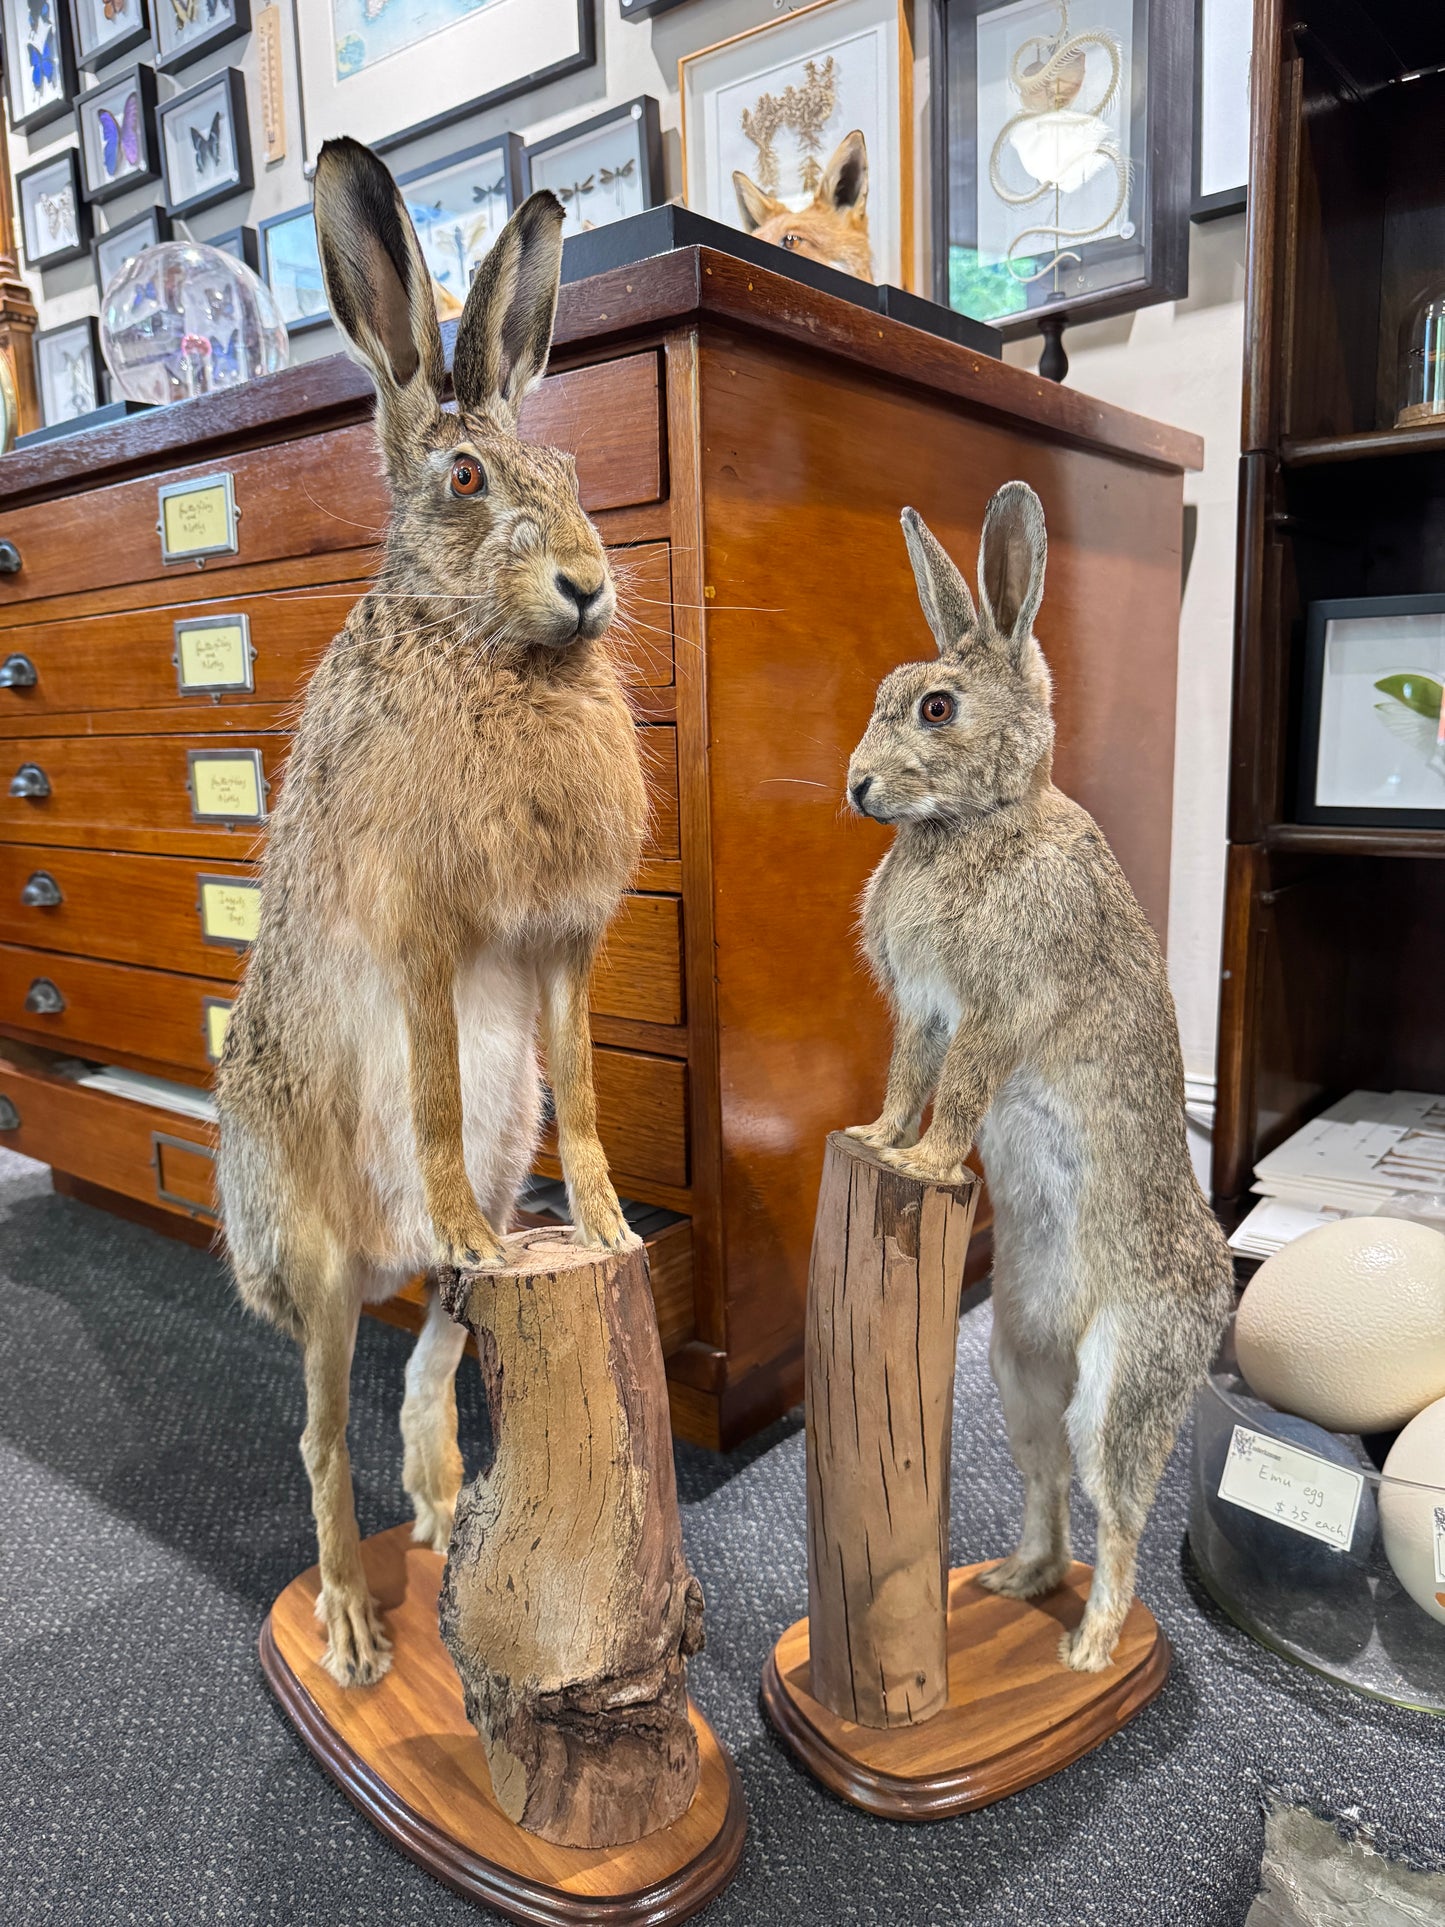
(152, 1504)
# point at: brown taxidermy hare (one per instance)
(833, 227)
(1031, 1005)
(462, 809)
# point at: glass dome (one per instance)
(1420, 396)
(182, 319)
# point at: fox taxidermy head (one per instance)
(833, 228)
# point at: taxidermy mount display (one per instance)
(462, 810)
(831, 228)
(1031, 1005)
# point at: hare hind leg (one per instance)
(1035, 1387)
(432, 1464)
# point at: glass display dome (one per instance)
(182, 319)
(1420, 396)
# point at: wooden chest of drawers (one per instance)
(745, 446)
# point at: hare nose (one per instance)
(860, 789)
(574, 592)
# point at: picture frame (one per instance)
(1134, 167)
(1371, 745)
(53, 216)
(461, 203)
(608, 167)
(186, 29)
(119, 246)
(241, 242)
(291, 268)
(648, 9)
(861, 76)
(117, 126)
(205, 143)
(105, 29)
(40, 78)
(1223, 36)
(68, 370)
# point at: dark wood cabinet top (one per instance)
(598, 316)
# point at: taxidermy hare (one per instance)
(833, 227)
(1031, 1004)
(461, 812)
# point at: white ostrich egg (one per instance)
(1412, 1516)
(1346, 1325)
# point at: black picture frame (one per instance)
(99, 55)
(68, 161)
(173, 56)
(512, 151)
(155, 223)
(234, 82)
(1164, 129)
(303, 324)
(1318, 616)
(87, 108)
(52, 110)
(239, 241)
(1229, 200)
(647, 9)
(87, 325)
(649, 143)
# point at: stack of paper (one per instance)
(140, 1088)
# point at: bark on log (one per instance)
(567, 1604)
(882, 1331)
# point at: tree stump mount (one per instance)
(909, 1690)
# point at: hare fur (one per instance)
(462, 809)
(1032, 1006)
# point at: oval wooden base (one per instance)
(1015, 1712)
(404, 1752)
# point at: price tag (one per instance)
(226, 785)
(218, 1015)
(197, 518)
(213, 653)
(1296, 1488)
(230, 911)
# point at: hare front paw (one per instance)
(471, 1245)
(927, 1162)
(881, 1136)
(599, 1224)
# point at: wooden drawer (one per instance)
(144, 1153)
(325, 492)
(641, 636)
(129, 909)
(642, 1116)
(639, 971)
(110, 1011)
(658, 744)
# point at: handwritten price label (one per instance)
(1295, 1488)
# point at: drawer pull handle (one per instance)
(9, 1116)
(9, 559)
(30, 780)
(42, 892)
(17, 672)
(43, 998)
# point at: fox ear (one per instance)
(1011, 555)
(753, 204)
(845, 185)
(942, 591)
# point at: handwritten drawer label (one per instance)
(218, 1015)
(1291, 1486)
(198, 518)
(227, 785)
(213, 653)
(230, 910)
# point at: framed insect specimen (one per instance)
(54, 221)
(186, 29)
(240, 241)
(117, 122)
(119, 246)
(205, 142)
(291, 269)
(39, 61)
(604, 168)
(106, 29)
(460, 205)
(67, 368)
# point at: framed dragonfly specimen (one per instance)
(460, 204)
(604, 168)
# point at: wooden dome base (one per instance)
(1015, 1712)
(404, 1752)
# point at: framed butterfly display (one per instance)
(67, 368)
(186, 29)
(241, 242)
(604, 168)
(205, 142)
(54, 220)
(39, 61)
(291, 269)
(106, 29)
(117, 122)
(460, 205)
(118, 247)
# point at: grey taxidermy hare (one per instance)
(1031, 1005)
(462, 809)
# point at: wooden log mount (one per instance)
(910, 1691)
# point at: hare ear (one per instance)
(947, 605)
(845, 185)
(1011, 555)
(505, 333)
(753, 204)
(379, 288)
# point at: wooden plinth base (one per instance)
(405, 1754)
(1015, 1712)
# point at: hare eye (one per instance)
(468, 477)
(937, 709)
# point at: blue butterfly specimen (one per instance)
(227, 360)
(39, 14)
(208, 146)
(144, 296)
(221, 302)
(120, 137)
(42, 64)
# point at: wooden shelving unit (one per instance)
(1334, 940)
